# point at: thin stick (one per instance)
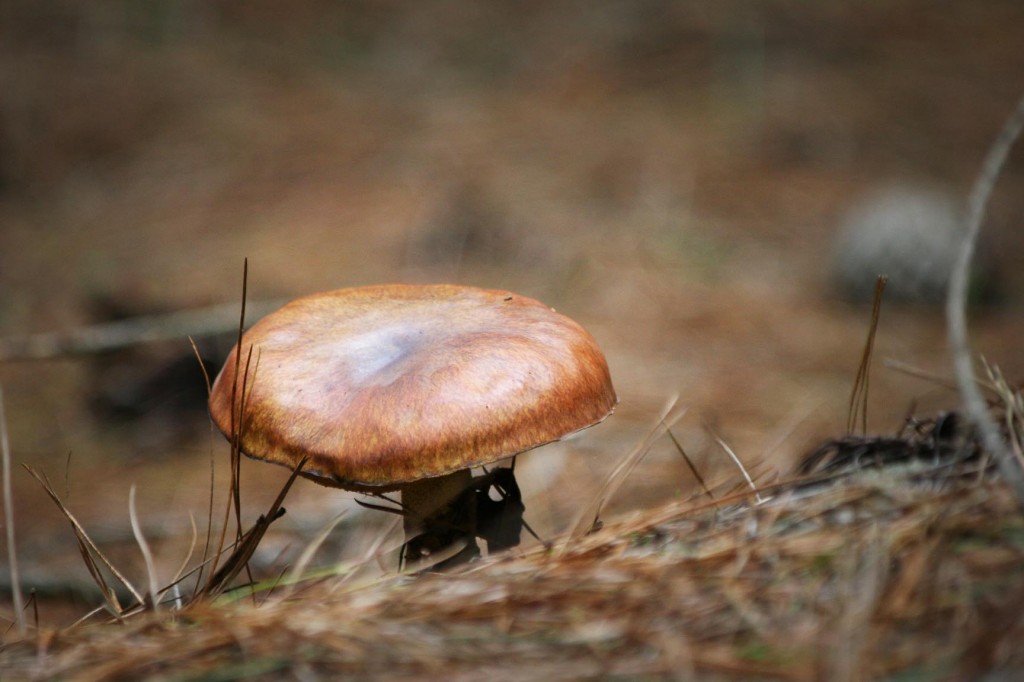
(12, 559)
(95, 611)
(234, 431)
(237, 457)
(147, 555)
(689, 463)
(134, 331)
(35, 606)
(213, 473)
(918, 373)
(739, 465)
(192, 550)
(67, 478)
(238, 402)
(238, 427)
(859, 395)
(956, 304)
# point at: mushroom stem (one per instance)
(440, 516)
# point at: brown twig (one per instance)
(689, 463)
(236, 413)
(858, 408)
(108, 336)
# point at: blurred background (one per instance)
(708, 187)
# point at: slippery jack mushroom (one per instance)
(408, 388)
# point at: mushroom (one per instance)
(408, 388)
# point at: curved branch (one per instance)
(956, 305)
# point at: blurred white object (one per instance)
(909, 233)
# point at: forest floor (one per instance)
(671, 177)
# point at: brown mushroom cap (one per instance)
(382, 385)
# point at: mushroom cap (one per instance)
(383, 385)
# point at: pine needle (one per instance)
(689, 463)
(918, 373)
(858, 409)
(590, 518)
(739, 465)
(191, 550)
(209, 511)
(236, 412)
(147, 555)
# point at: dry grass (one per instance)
(908, 570)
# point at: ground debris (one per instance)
(943, 442)
(868, 576)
